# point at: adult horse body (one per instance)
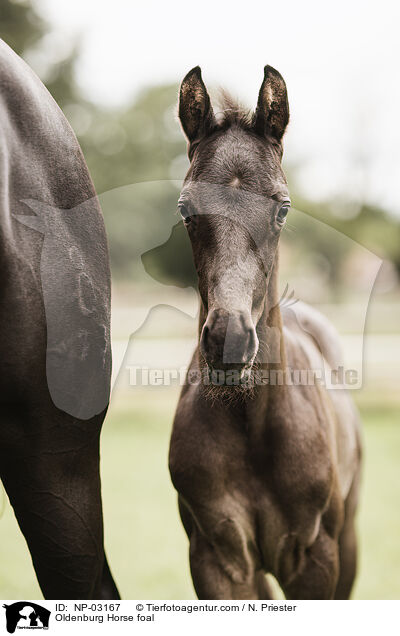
(267, 475)
(55, 355)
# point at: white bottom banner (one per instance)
(159, 617)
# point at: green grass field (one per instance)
(146, 545)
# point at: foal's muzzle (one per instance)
(229, 340)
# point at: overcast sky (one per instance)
(340, 61)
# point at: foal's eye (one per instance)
(184, 213)
(282, 214)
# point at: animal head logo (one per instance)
(26, 615)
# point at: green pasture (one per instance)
(146, 545)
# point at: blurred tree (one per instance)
(371, 226)
(138, 144)
(26, 31)
(20, 25)
(135, 143)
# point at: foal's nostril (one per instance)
(204, 340)
(249, 346)
(253, 343)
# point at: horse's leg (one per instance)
(318, 573)
(348, 545)
(108, 589)
(53, 483)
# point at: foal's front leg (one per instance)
(221, 565)
(318, 574)
(212, 581)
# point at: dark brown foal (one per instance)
(267, 469)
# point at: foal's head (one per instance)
(234, 204)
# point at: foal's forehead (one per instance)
(238, 159)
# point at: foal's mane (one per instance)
(232, 113)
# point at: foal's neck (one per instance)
(271, 358)
(271, 353)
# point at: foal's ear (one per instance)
(195, 110)
(272, 113)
